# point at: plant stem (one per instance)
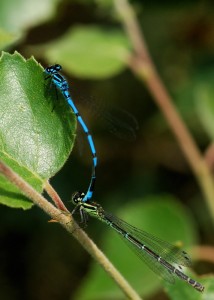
(66, 220)
(142, 66)
(55, 197)
(205, 253)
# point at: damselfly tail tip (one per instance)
(198, 286)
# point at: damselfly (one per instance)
(61, 83)
(163, 258)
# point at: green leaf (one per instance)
(35, 140)
(162, 216)
(90, 52)
(19, 15)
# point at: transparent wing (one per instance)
(170, 253)
(119, 121)
(122, 124)
(153, 264)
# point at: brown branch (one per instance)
(209, 156)
(205, 253)
(55, 197)
(66, 220)
(142, 66)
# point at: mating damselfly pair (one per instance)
(163, 258)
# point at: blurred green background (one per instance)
(142, 175)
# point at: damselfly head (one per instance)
(77, 197)
(53, 69)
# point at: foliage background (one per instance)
(142, 175)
